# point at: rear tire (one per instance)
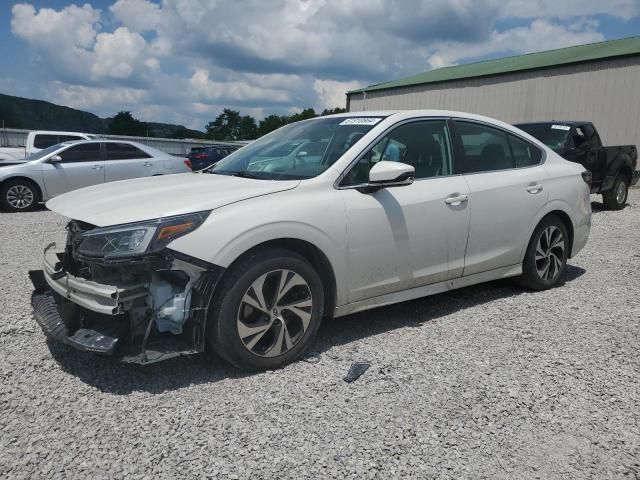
(267, 310)
(616, 198)
(19, 195)
(546, 255)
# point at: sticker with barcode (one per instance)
(561, 127)
(361, 121)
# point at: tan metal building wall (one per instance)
(605, 92)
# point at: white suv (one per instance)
(246, 258)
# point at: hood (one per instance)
(148, 198)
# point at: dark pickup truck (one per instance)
(613, 169)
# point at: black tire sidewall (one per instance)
(611, 199)
(4, 202)
(531, 277)
(222, 332)
(626, 193)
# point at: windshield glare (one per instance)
(554, 138)
(297, 151)
(43, 153)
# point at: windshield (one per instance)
(43, 153)
(553, 136)
(297, 151)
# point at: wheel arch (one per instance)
(25, 179)
(310, 252)
(562, 214)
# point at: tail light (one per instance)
(587, 177)
(187, 163)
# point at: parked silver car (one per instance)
(71, 165)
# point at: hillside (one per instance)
(18, 112)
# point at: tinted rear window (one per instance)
(124, 151)
(553, 136)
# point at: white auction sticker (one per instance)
(561, 127)
(361, 121)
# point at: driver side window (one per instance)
(424, 145)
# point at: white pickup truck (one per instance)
(36, 141)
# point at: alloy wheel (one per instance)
(20, 196)
(550, 253)
(274, 313)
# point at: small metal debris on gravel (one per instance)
(487, 382)
(356, 370)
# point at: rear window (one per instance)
(45, 141)
(553, 136)
(124, 151)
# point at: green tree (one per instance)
(331, 111)
(230, 125)
(271, 122)
(125, 124)
(8, 119)
(304, 115)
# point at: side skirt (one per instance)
(427, 290)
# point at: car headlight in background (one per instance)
(136, 239)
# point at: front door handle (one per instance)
(456, 199)
(97, 167)
(533, 189)
(148, 164)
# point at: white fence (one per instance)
(12, 137)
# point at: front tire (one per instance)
(267, 311)
(546, 255)
(19, 196)
(616, 198)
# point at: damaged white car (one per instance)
(247, 257)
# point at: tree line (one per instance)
(229, 125)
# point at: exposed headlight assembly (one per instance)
(135, 239)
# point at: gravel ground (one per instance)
(484, 382)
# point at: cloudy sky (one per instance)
(182, 61)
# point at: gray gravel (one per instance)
(485, 382)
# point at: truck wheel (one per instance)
(267, 311)
(546, 255)
(616, 198)
(19, 196)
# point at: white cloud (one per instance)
(237, 91)
(137, 15)
(624, 9)
(119, 54)
(539, 36)
(78, 96)
(187, 59)
(332, 92)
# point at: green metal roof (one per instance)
(531, 61)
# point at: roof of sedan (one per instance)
(556, 122)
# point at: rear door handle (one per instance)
(97, 167)
(456, 200)
(148, 164)
(533, 189)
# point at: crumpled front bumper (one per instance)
(97, 318)
(99, 298)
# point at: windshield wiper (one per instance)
(232, 173)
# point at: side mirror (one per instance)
(55, 159)
(391, 174)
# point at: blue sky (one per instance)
(183, 61)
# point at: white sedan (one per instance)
(247, 262)
(71, 165)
